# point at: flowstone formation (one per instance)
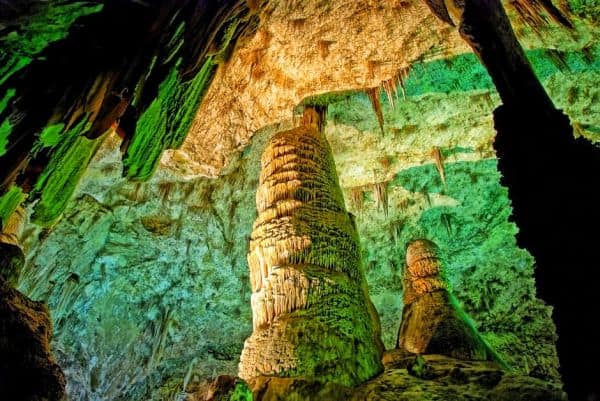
(431, 322)
(312, 315)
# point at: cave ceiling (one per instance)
(303, 49)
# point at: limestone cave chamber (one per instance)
(302, 200)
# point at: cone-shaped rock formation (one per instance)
(431, 322)
(312, 315)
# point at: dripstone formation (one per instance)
(312, 315)
(431, 322)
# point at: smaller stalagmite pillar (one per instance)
(431, 321)
(312, 315)
(11, 253)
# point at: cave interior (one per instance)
(295, 200)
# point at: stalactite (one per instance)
(147, 84)
(305, 268)
(373, 94)
(390, 86)
(533, 13)
(380, 194)
(323, 47)
(357, 199)
(436, 153)
(445, 219)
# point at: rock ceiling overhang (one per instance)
(304, 48)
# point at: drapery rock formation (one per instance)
(312, 315)
(431, 321)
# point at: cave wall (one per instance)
(148, 284)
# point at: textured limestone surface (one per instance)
(304, 49)
(427, 378)
(312, 316)
(148, 284)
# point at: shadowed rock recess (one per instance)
(333, 200)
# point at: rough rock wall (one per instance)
(28, 371)
(147, 283)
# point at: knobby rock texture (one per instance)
(312, 315)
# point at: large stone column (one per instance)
(312, 314)
(432, 323)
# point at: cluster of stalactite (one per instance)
(141, 68)
(432, 323)
(311, 311)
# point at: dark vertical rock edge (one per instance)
(552, 182)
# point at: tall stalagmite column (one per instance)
(431, 322)
(312, 314)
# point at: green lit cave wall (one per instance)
(147, 89)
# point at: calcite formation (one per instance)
(431, 321)
(312, 315)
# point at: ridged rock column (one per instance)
(432, 322)
(312, 314)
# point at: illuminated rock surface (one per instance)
(12, 257)
(312, 315)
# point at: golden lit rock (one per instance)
(312, 315)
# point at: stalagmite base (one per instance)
(431, 322)
(312, 315)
